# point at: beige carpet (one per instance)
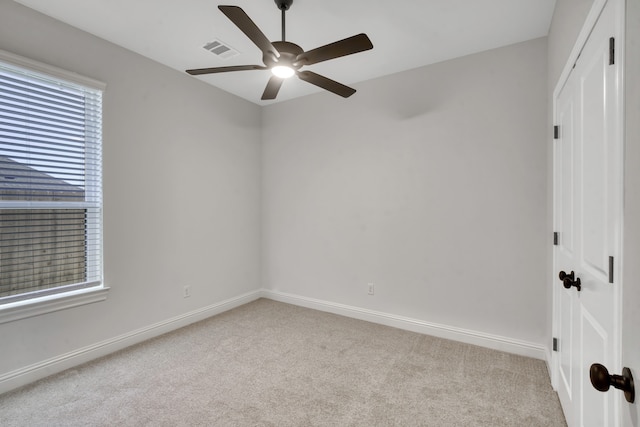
(273, 364)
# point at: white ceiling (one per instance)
(405, 34)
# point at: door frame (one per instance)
(589, 24)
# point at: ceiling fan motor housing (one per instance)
(283, 4)
(288, 54)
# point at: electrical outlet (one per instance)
(186, 292)
(371, 289)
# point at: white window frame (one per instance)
(59, 301)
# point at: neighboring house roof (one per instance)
(22, 182)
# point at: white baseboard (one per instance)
(29, 374)
(495, 342)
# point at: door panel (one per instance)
(595, 200)
(596, 402)
(597, 217)
(566, 349)
(564, 213)
(565, 202)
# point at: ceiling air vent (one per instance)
(221, 49)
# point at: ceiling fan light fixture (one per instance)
(283, 71)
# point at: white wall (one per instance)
(181, 192)
(429, 183)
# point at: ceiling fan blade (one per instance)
(326, 83)
(348, 46)
(251, 30)
(273, 86)
(225, 69)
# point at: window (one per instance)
(50, 182)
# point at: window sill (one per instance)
(48, 304)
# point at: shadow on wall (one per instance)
(405, 102)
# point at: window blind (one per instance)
(50, 184)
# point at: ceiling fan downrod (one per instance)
(283, 5)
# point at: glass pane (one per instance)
(41, 249)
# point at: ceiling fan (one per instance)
(285, 59)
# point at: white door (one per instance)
(588, 219)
